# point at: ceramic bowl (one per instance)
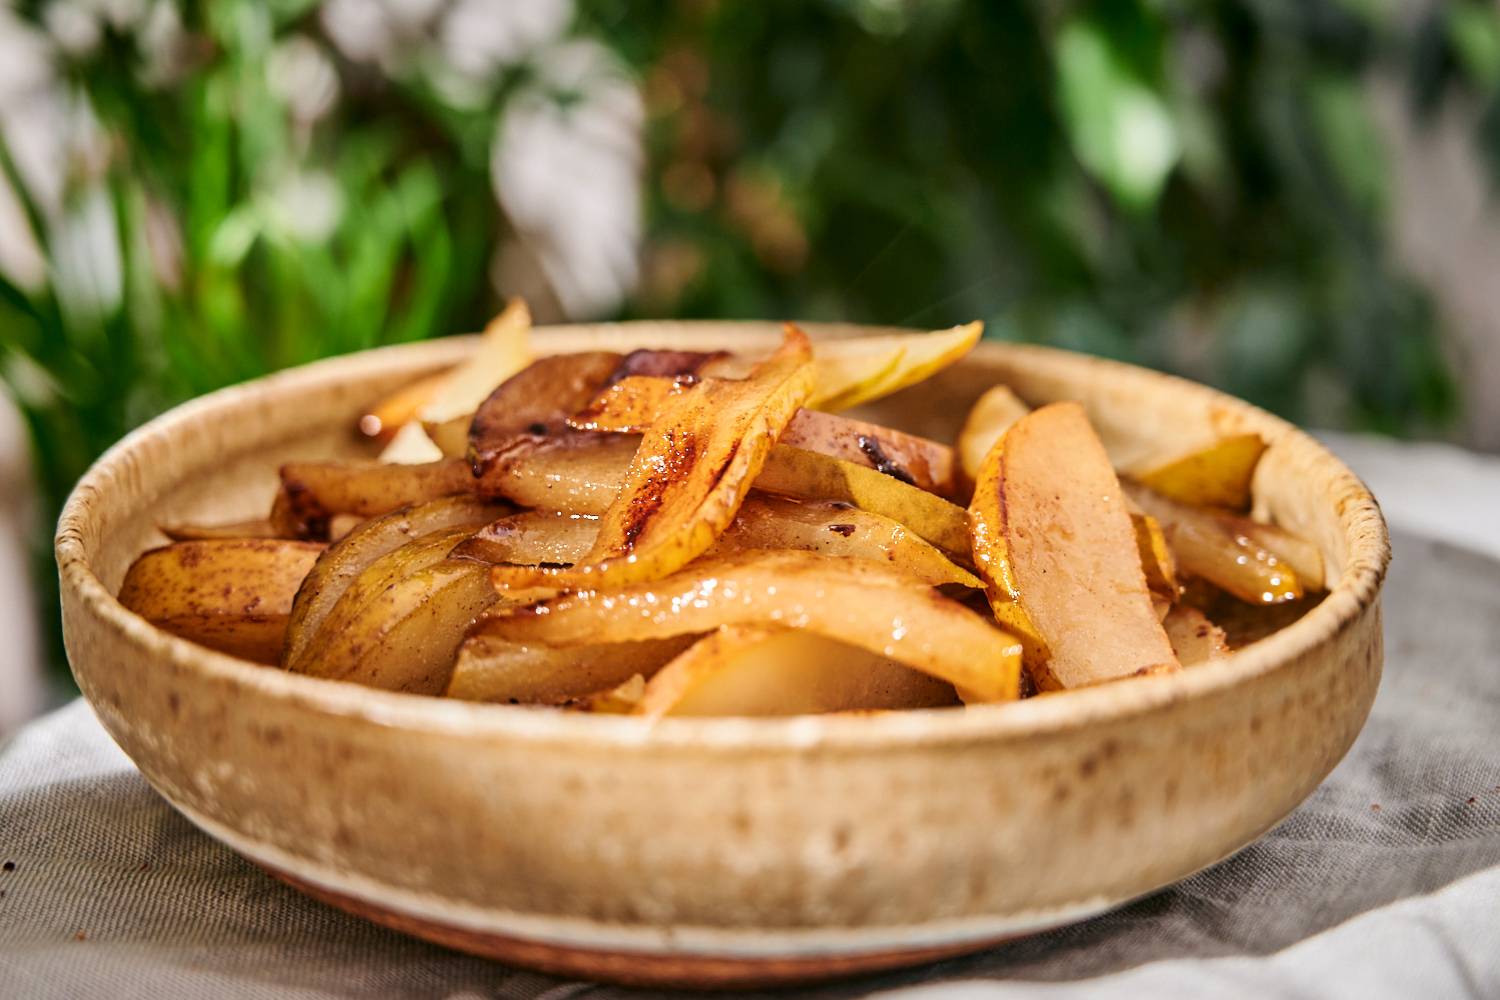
(718, 851)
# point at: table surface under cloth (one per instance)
(1385, 883)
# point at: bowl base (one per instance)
(638, 968)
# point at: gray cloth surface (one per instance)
(1386, 882)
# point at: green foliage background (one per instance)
(1196, 186)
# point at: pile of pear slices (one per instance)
(670, 532)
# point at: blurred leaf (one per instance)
(1121, 129)
(1474, 30)
(1352, 143)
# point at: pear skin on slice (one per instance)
(751, 670)
(1053, 538)
(1216, 475)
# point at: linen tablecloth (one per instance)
(1385, 883)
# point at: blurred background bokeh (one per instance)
(1292, 199)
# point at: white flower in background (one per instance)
(74, 26)
(305, 205)
(360, 28)
(21, 259)
(568, 175)
(25, 60)
(479, 37)
(300, 73)
(391, 33)
(160, 43)
(86, 267)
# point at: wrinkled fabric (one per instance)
(1385, 883)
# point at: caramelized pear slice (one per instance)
(691, 473)
(343, 562)
(1194, 638)
(989, 418)
(852, 600)
(229, 594)
(631, 404)
(503, 349)
(490, 668)
(406, 637)
(1229, 552)
(750, 670)
(312, 492)
(857, 370)
(1053, 539)
(1216, 475)
(770, 522)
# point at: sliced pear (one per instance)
(631, 404)
(530, 409)
(395, 411)
(305, 647)
(576, 476)
(989, 418)
(1053, 539)
(1217, 475)
(621, 699)
(406, 637)
(771, 522)
(411, 446)
(490, 668)
(229, 594)
(1217, 548)
(312, 492)
(1194, 638)
(503, 350)
(756, 671)
(693, 469)
(1292, 551)
(1156, 556)
(852, 600)
(798, 473)
(860, 369)
(343, 562)
(450, 437)
(533, 537)
(191, 532)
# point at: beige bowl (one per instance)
(717, 851)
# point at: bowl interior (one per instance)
(215, 459)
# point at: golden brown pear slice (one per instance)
(343, 562)
(1053, 538)
(1228, 551)
(691, 473)
(329, 615)
(990, 417)
(584, 477)
(852, 600)
(1194, 638)
(406, 637)
(748, 670)
(763, 522)
(192, 532)
(490, 668)
(503, 349)
(533, 537)
(631, 404)
(312, 492)
(770, 522)
(232, 595)
(1217, 475)
(860, 369)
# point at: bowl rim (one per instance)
(1356, 591)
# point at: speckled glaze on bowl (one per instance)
(718, 852)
